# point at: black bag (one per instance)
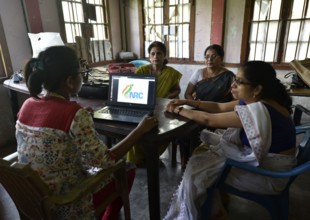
(297, 82)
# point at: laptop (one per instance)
(131, 97)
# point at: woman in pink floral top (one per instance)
(57, 137)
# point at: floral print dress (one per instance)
(58, 139)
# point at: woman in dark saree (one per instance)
(211, 83)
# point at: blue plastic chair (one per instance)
(277, 205)
(139, 63)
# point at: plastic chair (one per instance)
(277, 205)
(298, 111)
(139, 63)
(34, 200)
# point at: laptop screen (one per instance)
(133, 90)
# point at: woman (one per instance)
(260, 132)
(168, 79)
(211, 83)
(168, 86)
(58, 138)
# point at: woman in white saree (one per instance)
(260, 132)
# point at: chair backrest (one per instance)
(139, 63)
(304, 146)
(26, 189)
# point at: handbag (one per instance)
(296, 82)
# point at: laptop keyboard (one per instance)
(124, 111)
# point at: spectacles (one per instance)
(212, 57)
(239, 82)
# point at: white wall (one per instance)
(233, 30)
(15, 29)
(202, 28)
(115, 27)
(49, 15)
(132, 23)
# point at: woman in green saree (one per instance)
(168, 86)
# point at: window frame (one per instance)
(6, 68)
(191, 34)
(107, 50)
(284, 19)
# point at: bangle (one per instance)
(198, 104)
(112, 155)
(179, 110)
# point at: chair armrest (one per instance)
(11, 157)
(276, 174)
(302, 128)
(299, 109)
(88, 185)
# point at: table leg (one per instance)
(14, 104)
(152, 166)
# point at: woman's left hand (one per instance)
(173, 104)
(89, 109)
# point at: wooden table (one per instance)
(170, 127)
(299, 92)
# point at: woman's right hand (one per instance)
(177, 102)
(147, 124)
(174, 103)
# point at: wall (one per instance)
(202, 28)
(15, 29)
(6, 117)
(232, 33)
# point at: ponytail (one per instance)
(262, 73)
(34, 75)
(52, 67)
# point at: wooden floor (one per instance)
(239, 209)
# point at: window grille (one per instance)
(280, 30)
(86, 26)
(169, 22)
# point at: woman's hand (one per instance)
(89, 109)
(147, 124)
(173, 104)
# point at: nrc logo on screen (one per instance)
(128, 93)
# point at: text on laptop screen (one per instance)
(133, 89)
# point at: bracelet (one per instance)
(180, 109)
(112, 155)
(198, 104)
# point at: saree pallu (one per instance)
(216, 88)
(205, 166)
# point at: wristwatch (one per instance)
(179, 109)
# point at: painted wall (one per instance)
(202, 28)
(15, 29)
(232, 33)
(49, 14)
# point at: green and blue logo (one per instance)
(128, 93)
